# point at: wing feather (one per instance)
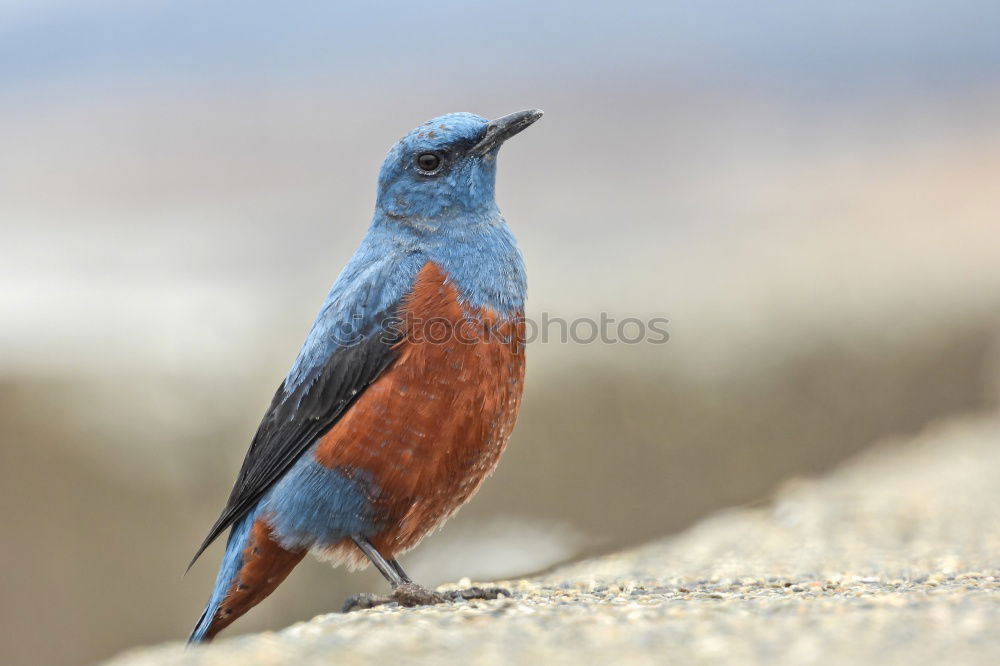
(300, 416)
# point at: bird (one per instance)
(405, 391)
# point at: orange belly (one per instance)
(431, 429)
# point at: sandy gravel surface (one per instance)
(893, 559)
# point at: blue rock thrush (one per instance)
(403, 396)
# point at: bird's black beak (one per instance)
(504, 127)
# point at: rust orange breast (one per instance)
(433, 426)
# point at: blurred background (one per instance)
(807, 191)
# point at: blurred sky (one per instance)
(828, 45)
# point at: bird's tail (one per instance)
(254, 564)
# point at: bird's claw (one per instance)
(477, 593)
(362, 601)
(407, 594)
(411, 594)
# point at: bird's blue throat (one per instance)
(436, 202)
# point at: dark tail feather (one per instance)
(253, 566)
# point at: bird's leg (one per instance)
(399, 571)
(390, 570)
(404, 591)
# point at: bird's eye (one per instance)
(428, 162)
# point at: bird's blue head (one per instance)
(445, 169)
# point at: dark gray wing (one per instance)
(297, 418)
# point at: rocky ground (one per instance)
(893, 559)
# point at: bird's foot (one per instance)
(407, 594)
(411, 594)
(477, 593)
